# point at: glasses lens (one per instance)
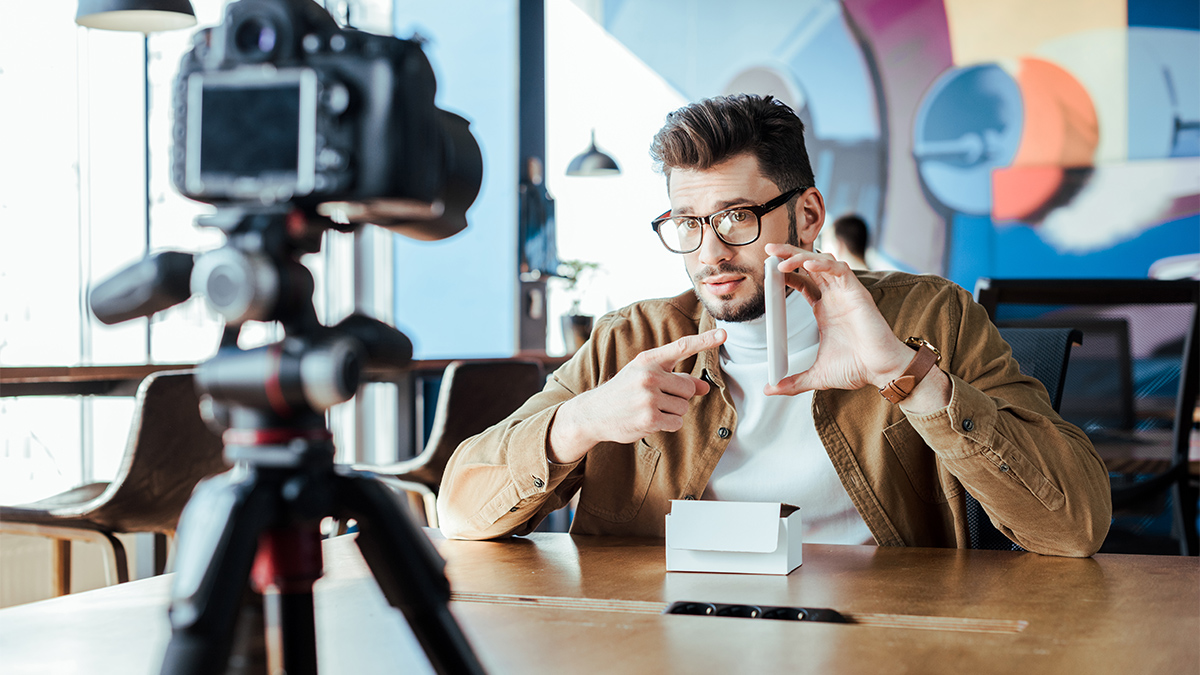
(681, 235)
(737, 226)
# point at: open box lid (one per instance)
(702, 525)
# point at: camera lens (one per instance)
(255, 37)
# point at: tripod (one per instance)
(260, 521)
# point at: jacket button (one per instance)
(690, 498)
(538, 482)
(723, 432)
(1004, 468)
(967, 424)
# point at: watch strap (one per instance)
(926, 357)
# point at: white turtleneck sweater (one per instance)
(775, 454)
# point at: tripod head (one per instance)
(257, 276)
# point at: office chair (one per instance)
(474, 395)
(1042, 353)
(1132, 388)
(169, 450)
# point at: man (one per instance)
(669, 400)
(850, 241)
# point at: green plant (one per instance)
(574, 273)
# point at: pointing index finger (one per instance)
(668, 355)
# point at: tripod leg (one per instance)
(218, 538)
(249, 645)
(407, 567)
(287, 566)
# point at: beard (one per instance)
(724, 308)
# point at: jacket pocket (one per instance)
(919, 461)
(615, 480)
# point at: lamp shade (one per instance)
(143, 16)
(592, 162)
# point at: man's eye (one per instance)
(738, 216)
(690, 224)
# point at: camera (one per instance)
(278, 104)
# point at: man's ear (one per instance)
(810, 217)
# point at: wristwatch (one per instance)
(927, 357)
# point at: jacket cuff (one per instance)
(965, 427)
(532, 474)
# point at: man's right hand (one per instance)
(644, 398)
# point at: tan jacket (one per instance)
(1038, 476)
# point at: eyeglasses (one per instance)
(738, 226)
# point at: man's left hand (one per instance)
(857, 346)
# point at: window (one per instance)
(85, 120)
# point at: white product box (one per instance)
(745, 537)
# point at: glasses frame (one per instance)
(758, 210)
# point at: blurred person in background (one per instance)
(850, 241)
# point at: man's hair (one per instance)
(705, 133)
(852, 231)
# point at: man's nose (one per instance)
(712, 249)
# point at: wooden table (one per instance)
(123, 379)
(553, 603)
(416, 384)
(114, 380)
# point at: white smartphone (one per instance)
(777, 348)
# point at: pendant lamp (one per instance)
(143, 16)
(592, 162)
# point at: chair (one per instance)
(169, 450)
(474, 395)
(1041, 353)
(1132, 388)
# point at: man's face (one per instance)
(729, 279)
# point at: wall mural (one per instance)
(1013, 139)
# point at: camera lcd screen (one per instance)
(251, 134)
(248, 132)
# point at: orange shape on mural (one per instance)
(1060, 131)
(1018, 192)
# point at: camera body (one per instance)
(278, 104)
